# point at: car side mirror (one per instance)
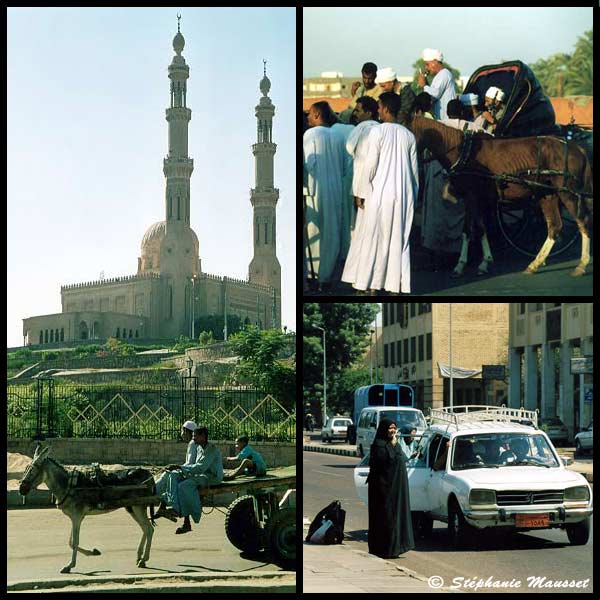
(567, 460)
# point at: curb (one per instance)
(269, 581)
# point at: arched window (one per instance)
(41, 337)
(52, 336)
(136, 333)
(178, 208)
(46, 336)
(130, 333)
(56, 336)
(118, 332)
(62, 334)
(266, 225)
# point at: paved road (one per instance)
(37, 546)
(545, 554)
(504, 279)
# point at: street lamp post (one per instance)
(193, 328)
(451, 378)
(324, 377)
(371, 355)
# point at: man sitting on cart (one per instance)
(183, 491)
(252, 462)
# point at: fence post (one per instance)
(38, 425)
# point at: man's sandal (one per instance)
(183, 529)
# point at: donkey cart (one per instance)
(256, 520)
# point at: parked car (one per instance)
(335, 429)
(556, 430)
(488, 471)
(584, 440)
(369, 418)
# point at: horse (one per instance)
(58, 479)
(546, 163)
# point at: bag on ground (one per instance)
(328, 526)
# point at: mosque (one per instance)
(170, 290)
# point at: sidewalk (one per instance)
(584, 466)
(341, 568)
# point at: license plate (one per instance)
(532, 520)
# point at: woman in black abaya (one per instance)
(390, 524)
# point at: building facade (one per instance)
(544, 337)
(416, 351)
(170, 289)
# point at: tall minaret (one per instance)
(179, 248)
(264, 268)
(177, 166)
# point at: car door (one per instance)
(419, 475)
(438, 474)
(361, 473)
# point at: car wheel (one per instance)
(578, 450)
(459, 531)
(579, 533)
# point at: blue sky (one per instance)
(343, 39)
(87, 93)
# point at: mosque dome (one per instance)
(152, 242)
(178, 43)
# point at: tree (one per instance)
(206, 338)
(347, 328)
(216, 325)
(259, 351)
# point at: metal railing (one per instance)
(47, 409)
(469, 414)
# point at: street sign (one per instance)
(493, 372)
(582, 365)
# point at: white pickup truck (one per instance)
(482, 468)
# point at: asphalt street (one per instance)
(37, 547)
(505, 278)
(328, 477)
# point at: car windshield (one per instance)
(404, 418)
(494, 450)
(341, 423)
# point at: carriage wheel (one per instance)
(282, 535)
(241, 526)
(524, 228)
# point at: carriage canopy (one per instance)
(528, 110)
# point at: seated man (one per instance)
(166, 484)
(207, 470)
(252, 462)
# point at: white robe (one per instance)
(357, 146)
(344, 131)
(384, 252)
(460, 124)
(441, 89)
(324, 161)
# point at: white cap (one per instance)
(469, 99)
(432, 54)
(190, 425)
(384, 75)
(495, 93)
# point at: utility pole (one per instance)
(451, 379)
(324, 377)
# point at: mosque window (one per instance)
(51, 336)
(46, 336)
(130, 333)
(266, 225)
(41, 337)
(56, 336)
(136, 333)
(62, 334)
(118, 332)
(178, 208)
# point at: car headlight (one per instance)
(577, 494)
(482, 497)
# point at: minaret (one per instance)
(177, 166)
(179, 260)
(264, 268)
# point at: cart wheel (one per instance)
(282, 535)
(241, 527)
(524, 228)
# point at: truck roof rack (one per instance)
(470, 414)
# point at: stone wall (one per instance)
(143, 452)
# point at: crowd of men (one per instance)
(361, 178)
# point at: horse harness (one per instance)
(465, 149)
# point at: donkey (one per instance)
(58, 479)
(496, 156)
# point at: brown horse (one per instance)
(496, 156)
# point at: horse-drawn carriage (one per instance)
(528, 112)
(262, 517)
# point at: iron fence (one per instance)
(47, 409)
